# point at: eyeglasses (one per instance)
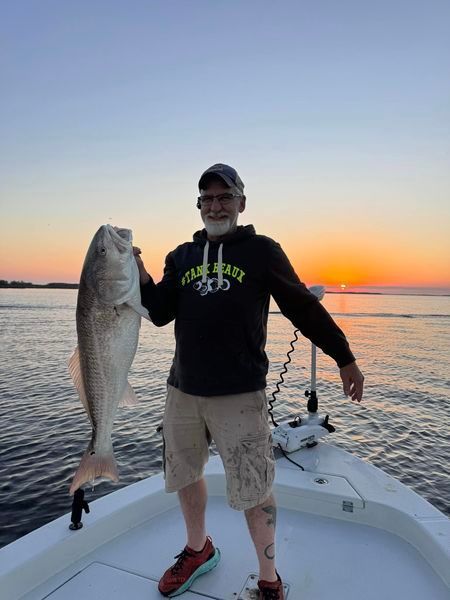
(224, 199)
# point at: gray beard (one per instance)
(217, 229)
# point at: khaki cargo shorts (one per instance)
(239, 426)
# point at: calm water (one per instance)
(402, 346)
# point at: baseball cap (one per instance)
(226, 173)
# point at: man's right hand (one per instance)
(144, 277)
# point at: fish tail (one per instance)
(92, 466)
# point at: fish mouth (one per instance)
(119, 235)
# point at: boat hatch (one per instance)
(102, 582)
(99, 581)
(309, 489)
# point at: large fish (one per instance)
(108, 320)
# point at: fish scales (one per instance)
(108, 339)
(108, 319)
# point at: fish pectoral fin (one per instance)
(141, 310)
(129, 397)
(77, 378)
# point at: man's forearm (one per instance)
(318, 326)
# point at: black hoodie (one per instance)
(221, 314)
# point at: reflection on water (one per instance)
(341, 301)
(401, 344)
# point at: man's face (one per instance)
(220, 218)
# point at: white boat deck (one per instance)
(316, 556)
(367, 548)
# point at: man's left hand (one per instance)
(353, 381)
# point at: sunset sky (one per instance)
(335, 114)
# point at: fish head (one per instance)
(110, 268)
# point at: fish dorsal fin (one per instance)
(77, 378)
(129, 398)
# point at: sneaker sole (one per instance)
(204, 568)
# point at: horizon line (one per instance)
(331, 285)
(349, 289)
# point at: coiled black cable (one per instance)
(277, 391)
(281, 380)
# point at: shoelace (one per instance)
(181, 558)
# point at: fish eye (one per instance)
(103, 251)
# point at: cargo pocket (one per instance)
(256, 469)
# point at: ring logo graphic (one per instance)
(211, 286)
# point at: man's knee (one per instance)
(268, 502)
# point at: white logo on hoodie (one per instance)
(211, 286)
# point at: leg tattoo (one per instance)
(272, 512)
(269, 551)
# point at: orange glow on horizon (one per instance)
(356, 272)
(354, 263)
(366, 261)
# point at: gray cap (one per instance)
(226, 173)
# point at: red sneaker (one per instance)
(271, 590)
(190, 565)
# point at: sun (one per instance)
(343, 286)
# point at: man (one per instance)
(218, 288)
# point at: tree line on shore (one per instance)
(27, 284)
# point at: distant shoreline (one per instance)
(74, 286)
(26, 285)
